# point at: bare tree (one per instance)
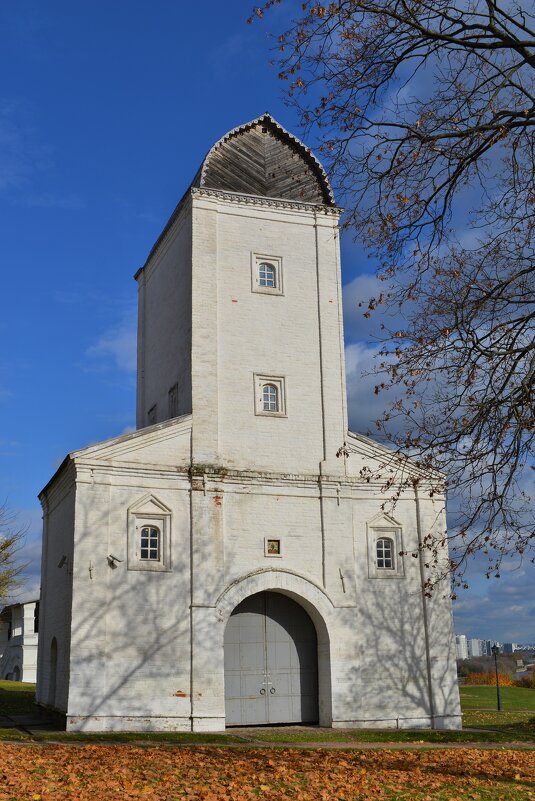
(425, 110)
(11, 541)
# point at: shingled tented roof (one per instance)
(261, 158)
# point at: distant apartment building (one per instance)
(509, 647)
(461, 646)
(475, 647)
(468, 647)
(19, 625)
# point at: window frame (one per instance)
(269, 553)
(257, 260)
(385, 528)
(260, 382)
(384, 551)
(154, 535)
(149, 512)
(270, 397)
(267, 272)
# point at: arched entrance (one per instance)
(271, 662)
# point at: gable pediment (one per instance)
(383, 520)
(372, 460)
(166, 443)
(149, 506)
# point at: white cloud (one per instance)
(360, 290)
(365, 406)
(388, 314)
(502, 609)
(117, 345)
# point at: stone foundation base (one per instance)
(450, 722)
(103, 723)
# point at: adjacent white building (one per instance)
(19, 624)
(231, 562)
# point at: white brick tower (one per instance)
(228, 563)
(211, 326)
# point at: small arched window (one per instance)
(385, 553)
(267, 275)
(270, 398)
(150, 543)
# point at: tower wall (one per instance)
(240, 333)
(164, 325)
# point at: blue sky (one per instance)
(106, 111)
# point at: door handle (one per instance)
(272, 690)
(262, 691)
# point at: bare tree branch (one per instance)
(426, 114)
(11, 541)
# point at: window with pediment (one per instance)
(149, 535)
(385, 548)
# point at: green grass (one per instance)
(513, 698)
(516, 722)
(17, 698)
(180, 738)
(502, 790)
(354, 736)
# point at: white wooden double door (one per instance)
(271, 663)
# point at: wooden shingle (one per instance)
(261, 158)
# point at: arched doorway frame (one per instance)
(314, 601)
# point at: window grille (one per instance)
(267, 275)
(385, 555)
(150, 543)
(270, 398)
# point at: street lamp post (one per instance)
(495, 651)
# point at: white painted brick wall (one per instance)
(56, 588)
(164, 324)
(135, 634)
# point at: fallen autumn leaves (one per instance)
(57, 772)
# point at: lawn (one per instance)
(516, 722)
(157, 771)
(59, 773)
(513, 698)
(17, 698)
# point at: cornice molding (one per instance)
(266, 202)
